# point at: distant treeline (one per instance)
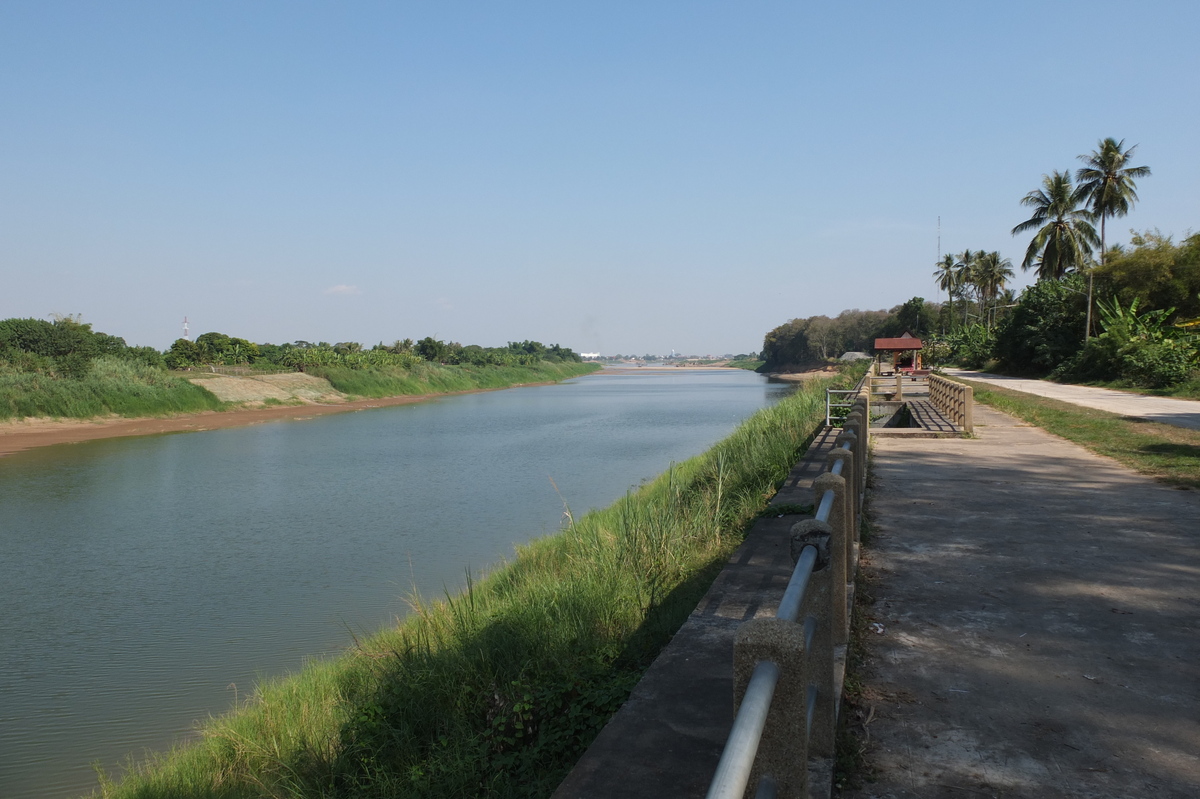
(801, 342)
(63, 368)
(1144, 328)
(68, 347)
(217, 348)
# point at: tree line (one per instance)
(1097, 312)
(68, 347)
(800, 343)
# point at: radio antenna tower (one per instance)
(186, 335)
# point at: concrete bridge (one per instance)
(1033, 633)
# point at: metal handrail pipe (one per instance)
(793, 595)
(733, 772)
(826, 505)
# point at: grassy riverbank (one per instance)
(129, 389)
(428, 378)
(497, 692)
(111, 386)
(1169, 453)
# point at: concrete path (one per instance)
(1040, 622)
(1168, 410)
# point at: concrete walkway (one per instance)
(1040, 622)
(1168, 410)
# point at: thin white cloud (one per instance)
(342, 288)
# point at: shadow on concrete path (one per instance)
(1040, 610)
(1167, 410)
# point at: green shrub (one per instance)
(110, 384)
(1156, 364)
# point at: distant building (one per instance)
(589, 355)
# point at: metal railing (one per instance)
(849, 394)
(787, 686)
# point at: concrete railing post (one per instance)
(849, 508)
(955, 401)
(783, 748)
(837, 552)
(856, 425)
(863, 432)
(820, 607)
(899, 387)
(850, 469)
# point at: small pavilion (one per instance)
(905, 353)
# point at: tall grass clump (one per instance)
(431, 378)
(108, 386)
(497, 691)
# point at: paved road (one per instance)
(1039, 610)
(1179, 412)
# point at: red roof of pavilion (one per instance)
(906, 342)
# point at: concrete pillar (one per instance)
(863, 431)
(837, 552)
(783, 749)
(968, 410)
(849, 506)
(899, 387)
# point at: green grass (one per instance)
(112, 386)
(1186, 390)
(131, 389)
(496, 692)
(1189, 389)
(1169, 453)
(438, 379)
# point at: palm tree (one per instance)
(946, 279)
(991, 274)
(964, 274)
(1106, 183)
(1065, 235)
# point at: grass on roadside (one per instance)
(1169, 453)
(1189, 389)
(496, 692)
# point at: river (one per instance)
(149, 582)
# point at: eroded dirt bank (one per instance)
(315, 395)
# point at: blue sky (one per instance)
(611, 176)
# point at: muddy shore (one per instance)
(41, 432)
